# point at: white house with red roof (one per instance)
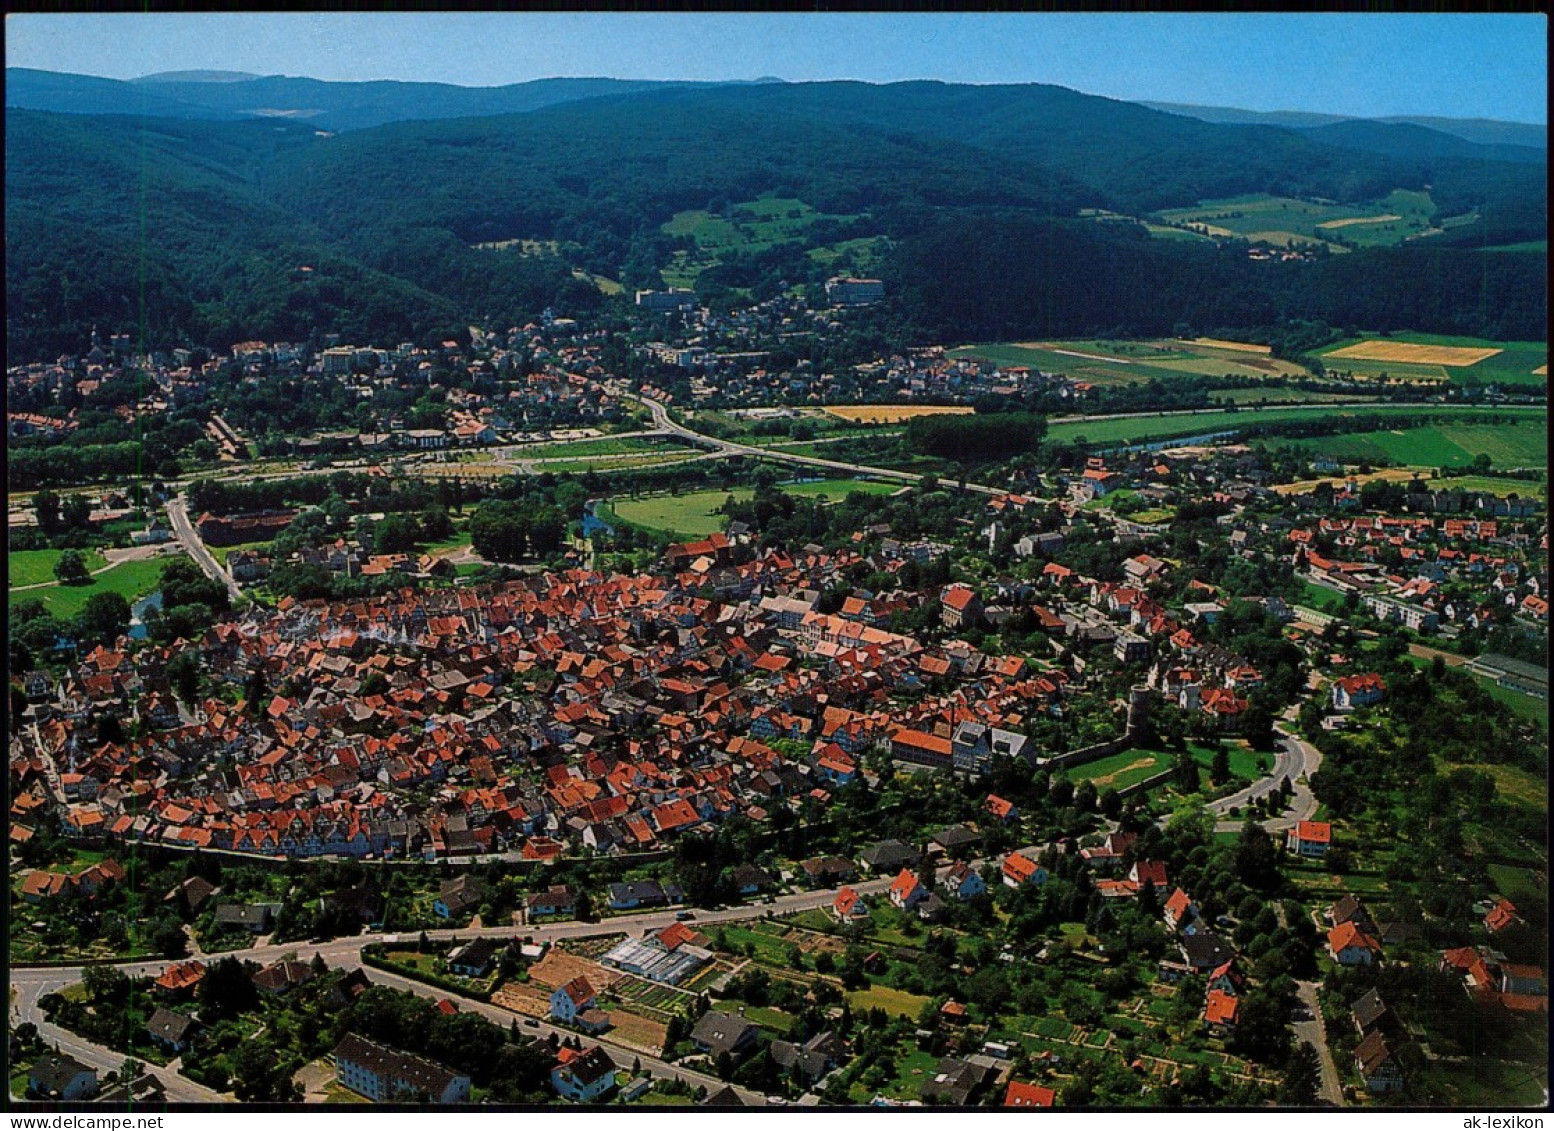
(1353, 691)
(907, 891)
(1348, 945)
(1181, 913)
(1019, 869)
(848, 906)
(570, 999)
(1310, 838)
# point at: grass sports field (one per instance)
(1434, 357)
(1283, 220)
(1128, 430)
(132, 579)
(1525, 444)
(693, 514)
(894, 413)
(1120, 362)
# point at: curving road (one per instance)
(663, 421)
(178, 518)
(1297, 760)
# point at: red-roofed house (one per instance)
(1220, 1010)
(1148, 872)
(906, 891)
(1028, 1095)
(1181, 913)
(1309, 838)
(1347, 945)
(1003, 810)
(961, 606)
(849, 906)
(571, 999)
(1353, 691)
(922, 748)
(1020, 870)
(1500, 916)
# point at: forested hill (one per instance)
(177, 227)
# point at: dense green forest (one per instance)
(209, 231)
(997, 276)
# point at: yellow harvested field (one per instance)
(1415, 353)
(1358, 220)
(638, 1032)
(1541, 371)
(1222, 344)
(558, 968)
(894, 413)
(1391, 475)
(522, 998)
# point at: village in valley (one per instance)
(747, 690)
(1063, 791)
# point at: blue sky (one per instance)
(1375, 64)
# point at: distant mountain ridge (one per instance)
(196, 76)
(1482, 131)
(224, 96)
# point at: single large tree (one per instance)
(71, 569)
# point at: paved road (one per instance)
(180, 1089)
(667, 423)
(1297, 760)
(178, 517)
(1314, 1033)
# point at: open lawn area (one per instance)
(1491, 485)
(1484, 1083)
(1243, 762)
(36, 567)
(749, 227)
(894, 413)
(1524, 705)
(1120, 770)
(1321, 599)
(889, 999)
(1451, 444)
(840, 488)
(1514, 784)
(132, 579)
(1519, 885)
(693, 514)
